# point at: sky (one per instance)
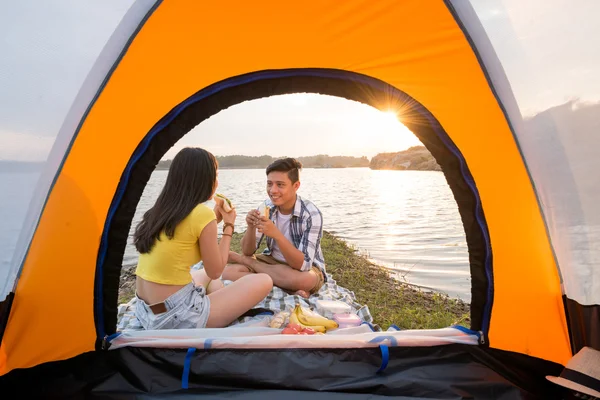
(326, 124)
(550, 55)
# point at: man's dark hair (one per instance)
(289, 165)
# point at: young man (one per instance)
(294, 228)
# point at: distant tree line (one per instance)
(414, 158)
(417, 157)
(249, 162)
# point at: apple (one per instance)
(295, 326)
(289, 331)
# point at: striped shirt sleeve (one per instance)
(310, 238)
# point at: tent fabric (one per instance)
(450, 371)
(519, 163)
(129, 102)
(557, 140)
(103, 48)
(258, 335)
(584, 322)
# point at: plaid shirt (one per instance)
(306, 231)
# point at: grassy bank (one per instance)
(390, 301)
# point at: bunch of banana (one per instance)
(308, 319)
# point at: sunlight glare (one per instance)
(391, 118)
(385, 127)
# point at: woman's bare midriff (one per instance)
(152, 292)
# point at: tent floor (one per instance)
(441, 372)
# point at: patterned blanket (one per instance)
(277, 300)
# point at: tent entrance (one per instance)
(210, 100)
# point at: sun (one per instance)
(385, 127)
(388, 121)
(391, 118)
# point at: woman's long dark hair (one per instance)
(191, 179)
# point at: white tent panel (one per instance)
(48, 78)
(550, 53)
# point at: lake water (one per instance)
(16, 190)
(405, 220)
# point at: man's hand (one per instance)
(252, 218)
(266, 226)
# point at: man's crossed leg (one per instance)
(295, 282)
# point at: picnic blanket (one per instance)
(277, 300)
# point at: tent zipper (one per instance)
(481, 337)
(105, 343)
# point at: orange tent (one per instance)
(169, 65)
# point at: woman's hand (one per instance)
(217, 209)
(228, 217)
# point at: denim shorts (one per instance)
(188, 308)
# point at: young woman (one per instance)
(178, 232)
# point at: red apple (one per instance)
(289, 331)
(295, 326)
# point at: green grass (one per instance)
(390, 301)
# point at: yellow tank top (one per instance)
(170, 260)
